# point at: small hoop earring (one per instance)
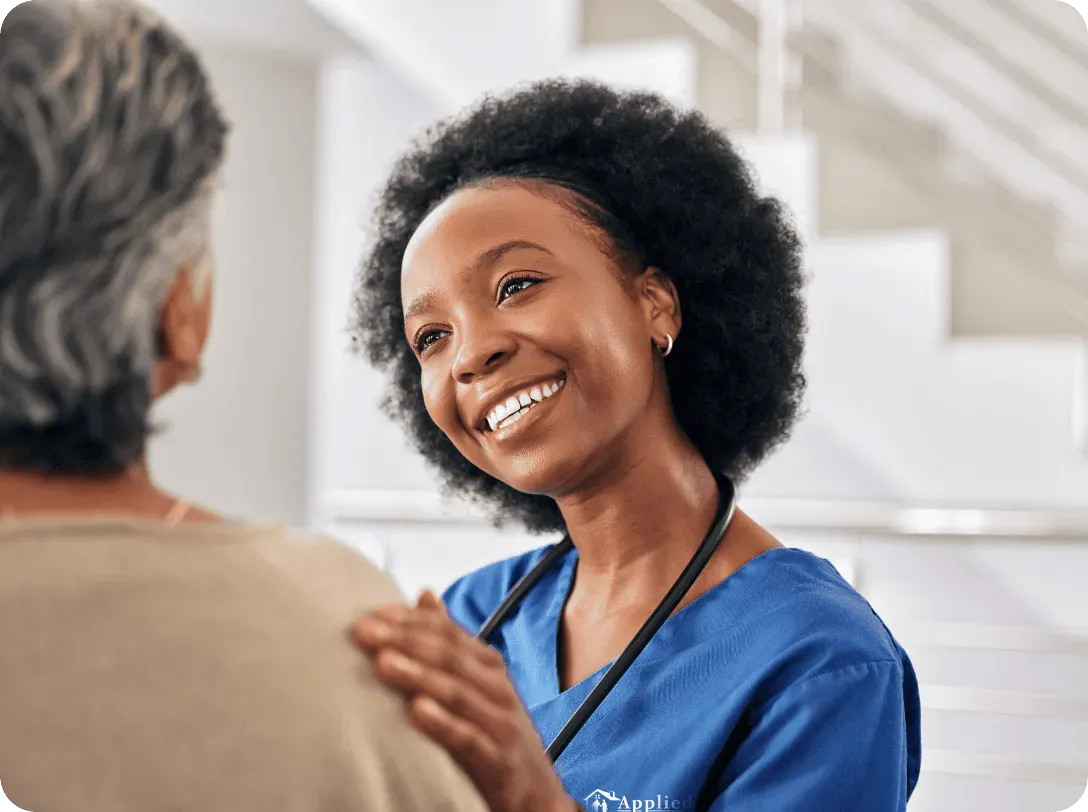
(668, 347)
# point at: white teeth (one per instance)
(514, 408)
(512, 419)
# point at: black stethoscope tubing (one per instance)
(727, 506)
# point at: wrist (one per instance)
(564, 803)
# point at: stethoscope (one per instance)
(727, 506)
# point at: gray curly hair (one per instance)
(110, 141)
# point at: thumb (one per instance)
(428, 600)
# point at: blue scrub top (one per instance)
(778, 689)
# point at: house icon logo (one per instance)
(599, 800)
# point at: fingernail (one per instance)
(399, 662)
(375, 632)
(429, 707)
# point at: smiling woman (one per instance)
(592, 322)
(524, 305)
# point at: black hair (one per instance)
(669, 190)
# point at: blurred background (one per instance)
(935, 156)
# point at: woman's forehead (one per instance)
(475, 220)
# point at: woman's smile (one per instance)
(514, 415)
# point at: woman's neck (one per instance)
(639, 524)
(130, 492)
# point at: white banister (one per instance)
(715, 30)
(810, 515)
(773, 28)
(795, 23)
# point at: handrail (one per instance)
(813, 515)
(773, 56)
(989, 636)
(977, 765)
(1029, 22)
(700, 14)
(717, 31)
(938, 16)
(960, 699)
(1024, 137)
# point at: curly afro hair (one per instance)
(667, 189)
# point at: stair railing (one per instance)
(1048, 175)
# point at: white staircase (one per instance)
(1013, 109)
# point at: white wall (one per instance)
(452, 52)
(237, 440)
(366, 118)
(285, 27)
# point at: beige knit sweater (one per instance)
(147, 668)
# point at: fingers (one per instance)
(428, 601)
(459, 696)
(435, 648)
(429, 613)
(403, 626)
(474, 751)
(459, 693)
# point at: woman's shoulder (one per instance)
(813, 622)
(473, 597)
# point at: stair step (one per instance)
(822, 60)
(881, 169)
(620, 20)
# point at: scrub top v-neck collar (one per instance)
(564, 588)
(560, 598)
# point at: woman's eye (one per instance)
(427, 339)
(512, 286)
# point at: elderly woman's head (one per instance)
(110, 140)
(530, 257)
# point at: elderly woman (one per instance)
(154, 657)
(592, 325)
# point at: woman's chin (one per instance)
(542, 475)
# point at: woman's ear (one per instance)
(181, 323)
(182, 333)
(661, 304)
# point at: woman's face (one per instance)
(534, 347)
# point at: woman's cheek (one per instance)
(440, 403)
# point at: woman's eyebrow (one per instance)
(426, 301)
(493, 255)
(421, 304)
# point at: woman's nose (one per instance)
(481, 355)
